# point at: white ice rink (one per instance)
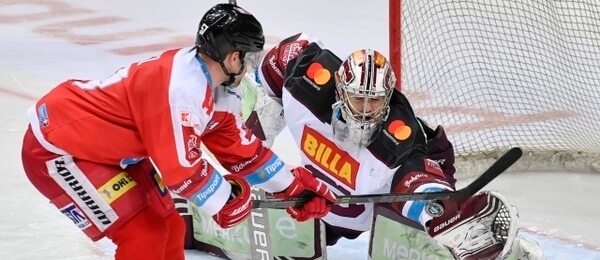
(45, 42)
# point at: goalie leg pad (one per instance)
(484, 227)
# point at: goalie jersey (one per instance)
(300, 73)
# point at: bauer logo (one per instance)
(337, 163)
(75, 215)
(399, 130)
(318, 74)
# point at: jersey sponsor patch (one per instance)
(76, 215)
(116, 187)
(317, 73)
(200, 197)
(239, 167)
(267, 171)
(329, 157)
(414, 210)
(399, 130)
(185, 117)
(190, 120)
(291, 51)
(43, 115)
(158, 182)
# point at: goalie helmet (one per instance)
(225, 28)
(364, 85)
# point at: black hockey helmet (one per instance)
(227, 27)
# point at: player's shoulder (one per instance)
(401, 135)
(310, 79)
(312, 70)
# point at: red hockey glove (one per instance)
(238, 207)
(305, 185)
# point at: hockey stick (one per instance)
(258, 225)
(505, 161)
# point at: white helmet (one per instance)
(364, 85)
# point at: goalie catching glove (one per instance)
(305, 185)
(481, 227)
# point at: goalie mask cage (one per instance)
(498, 74)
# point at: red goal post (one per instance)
(499, 74)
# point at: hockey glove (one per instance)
(481, 227)
(305, 185)
(238, 207)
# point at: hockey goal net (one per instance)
(499, 74)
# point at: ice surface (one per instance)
(41, 45)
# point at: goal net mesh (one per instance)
(499, 74)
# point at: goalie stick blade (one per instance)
(498, 167)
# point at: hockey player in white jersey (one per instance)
(359, 135)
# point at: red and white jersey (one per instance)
(162, 108)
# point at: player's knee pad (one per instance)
(97, 198)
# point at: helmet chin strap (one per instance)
(231, 75)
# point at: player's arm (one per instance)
(264, 87)
(175, 149)
(271, 73)
(241, 153)
(440, 149)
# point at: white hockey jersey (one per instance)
(307, 96)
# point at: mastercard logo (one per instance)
(318, 74)
(399, 130)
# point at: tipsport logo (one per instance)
(318, 74)
(399, 130)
